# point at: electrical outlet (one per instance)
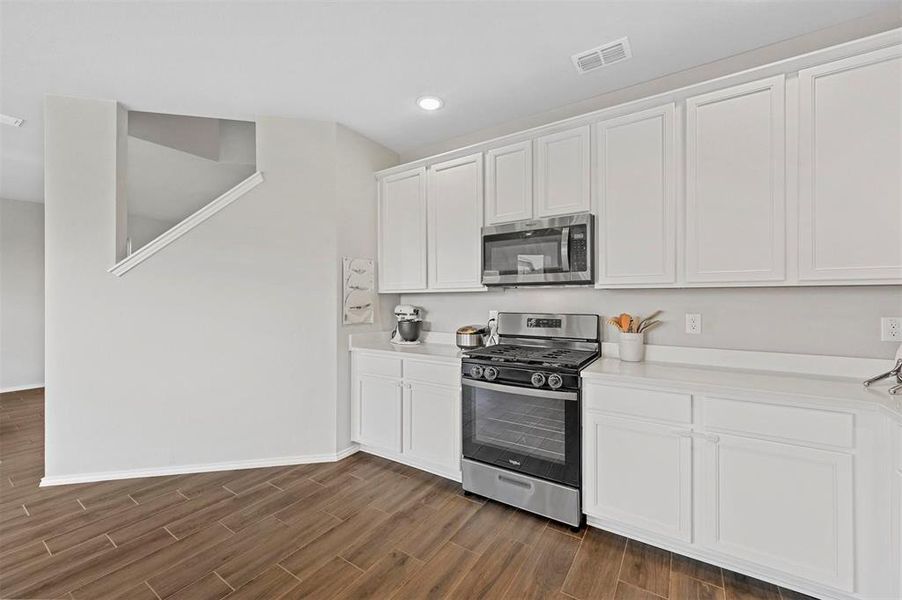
(891, 329)
(693, 323)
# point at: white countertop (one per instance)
(836, 391)
(433, 345)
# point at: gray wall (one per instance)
(21, 294)
(840, 321)
(219, 348)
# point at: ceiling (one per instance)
(360, 63)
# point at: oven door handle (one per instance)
(565, 250)
(510, 389)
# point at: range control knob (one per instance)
(476, 371)
(537, 379)
(555, 381)
(490, 373)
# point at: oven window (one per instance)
(531, 426)
(525, 433)
(518, 253)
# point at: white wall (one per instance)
(357, 159)
(840, 321)
(221, 347)
(21, 294)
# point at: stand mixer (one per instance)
(407, 332)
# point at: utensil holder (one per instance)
(632, 347)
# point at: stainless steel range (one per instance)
(521, 412)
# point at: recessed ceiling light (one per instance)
(14, 121)
(430, 102)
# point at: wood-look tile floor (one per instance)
(360, 528)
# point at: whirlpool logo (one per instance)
(516, 463)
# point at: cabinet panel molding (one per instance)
(850, 168)
(735, 196)
(508, 183)
(635, 174)
(638, 473)
(402, 224)
(563, 167)
(784, 507)
(455, 206)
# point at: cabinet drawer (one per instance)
(373, 364)
(649, 404)
(791, 423)
(430, 372)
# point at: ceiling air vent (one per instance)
(602, 56)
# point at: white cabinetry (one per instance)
(430, 415)
(508, 183)
(636, 198)
(378, 407)
(735, 200)
(779, 505)
(850, 168)
(429, 228)
(402, 231)
(562, 172)
(455, 218)
(408, 410)
(763, 487)
(641, 473)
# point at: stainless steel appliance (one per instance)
(469, 337)
(521, 413)
(554, 251)
(409, 322)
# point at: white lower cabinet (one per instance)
(765, 488)
(377, 404)
(408, 410)
(641, 473)
(781, 506)
(431, 417)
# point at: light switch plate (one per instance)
(693, 323)
(891, 329)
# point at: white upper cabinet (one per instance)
(735, 198)
(455, 220)
(562, 173)
(635, 198)
(402, 231)
(850, 168)
(508, 183)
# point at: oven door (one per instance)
(531, 431)
(546, 251)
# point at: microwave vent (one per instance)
(602, 56)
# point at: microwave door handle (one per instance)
(565, 250)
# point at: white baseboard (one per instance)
(21, 388)
(281, 461)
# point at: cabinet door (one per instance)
(636, 200)
(637, 473)
(781, 506)
(735, 200)
(850, 168)
(402, 231)
(455, 219)
(376, 412)
(562, 173)
(432, 424)
(508, 183)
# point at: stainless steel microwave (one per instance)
(553, 251)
